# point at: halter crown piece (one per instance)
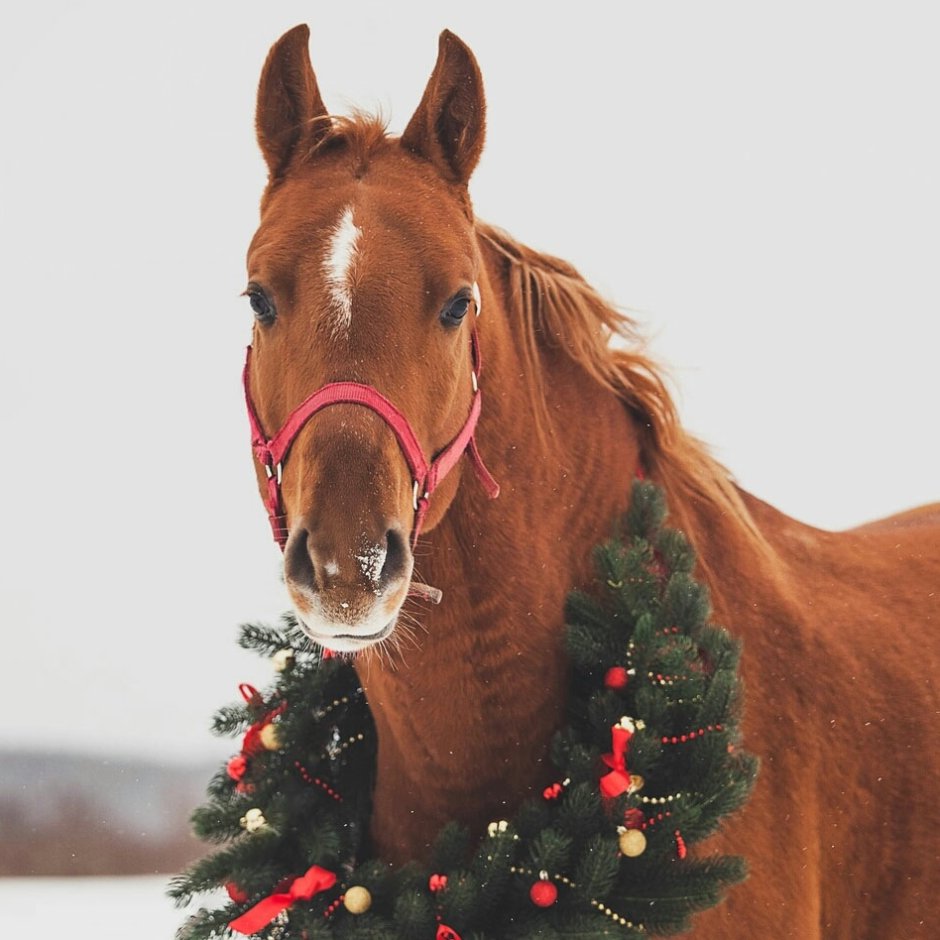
(426, 474)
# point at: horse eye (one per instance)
(263, 308)
(455, 311)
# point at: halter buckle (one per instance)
(473, 381)
(276, 471)
(414, 496)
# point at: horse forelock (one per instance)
(560, 310)
(359, 135)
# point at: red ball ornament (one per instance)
(616, 678)
(237, 767)
(633, 818)
(235, 893)
(543, 894)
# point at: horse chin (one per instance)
(344, 636)
(350, 642)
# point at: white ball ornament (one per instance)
(282, 660)
(253, 820)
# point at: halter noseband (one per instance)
(272, 452)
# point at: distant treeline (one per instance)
(62, 814)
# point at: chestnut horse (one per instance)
(369, 268)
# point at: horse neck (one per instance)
(477, 703)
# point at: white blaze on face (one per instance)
(340, 258)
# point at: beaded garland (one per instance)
(595, 845)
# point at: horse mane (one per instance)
(561, 311)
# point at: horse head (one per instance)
(362, 278)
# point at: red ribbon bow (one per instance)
(618, 780)
(314, 881)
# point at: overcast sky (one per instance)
(758, 183)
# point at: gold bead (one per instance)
(357, 900)
(632, 843)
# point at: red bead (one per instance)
(543, 894)
(684, 738)
(616, 678)
(681, 850)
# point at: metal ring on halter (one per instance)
(473, 379)
(414, 496)
(275, 472)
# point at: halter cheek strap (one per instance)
(426, 475)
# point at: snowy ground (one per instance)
(87, 908)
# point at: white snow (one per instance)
(90, 908)
(372, 561)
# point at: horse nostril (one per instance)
(298, 563)
(395, 557)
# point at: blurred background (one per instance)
(757, 184)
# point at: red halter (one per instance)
(271, 452)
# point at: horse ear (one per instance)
(290, 111)
(448, 126)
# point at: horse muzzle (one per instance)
(347, 596)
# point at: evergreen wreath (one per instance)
(648, 764)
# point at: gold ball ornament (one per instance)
(632, 842)
(269, 738)
(357, 900)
